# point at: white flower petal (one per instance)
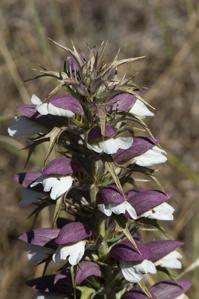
(49, 108)
(78, 253)
(124, 142)
(35, 100)
(42, 109)
(130, 209)
(36, 253)
(171, 260)
(95, 147)
(53, 110)
(29, 197)
(61, 254)
(118, 209)
(151, 157)
(112, 145)
(48, 183)
(123, 208)
(104, 209)
(73, 252)
(55, 185)
(146, 267)
(23, 127)
(109, 146)
(162, 212)
(134, 273)
(62, 186)
(140, 109)
(130, 274)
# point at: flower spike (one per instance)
(92, 180)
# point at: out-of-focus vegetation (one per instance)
(167, 33)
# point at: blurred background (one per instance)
(167, 33)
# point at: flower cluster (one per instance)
(104, 241)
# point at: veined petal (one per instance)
(121, 102)
(39, 236)
(72, 66)
(140, 109)
(145, 201)
(86, 269)
(162, 212)
(134, 273)
(124, 251)
(170, 289)
(95, 133)
(66, 106)
(27, 110)
(161, 290)
(26, 179)
(73, 252)
(140, 146)
(171, 260)
(151, 157)
(134, 293)
(72, 232)
(110, 194)
(161, 248)
(62, 166)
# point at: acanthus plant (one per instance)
(104, 239)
